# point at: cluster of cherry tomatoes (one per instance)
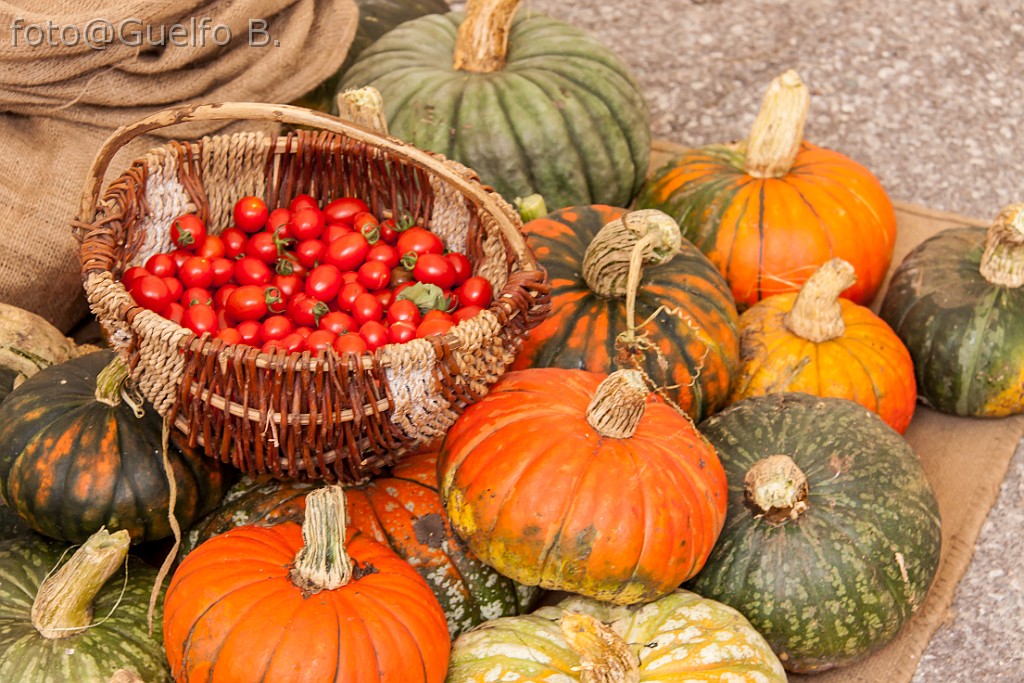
(309, 278)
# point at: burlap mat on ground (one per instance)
(60, 101)
(965, 461)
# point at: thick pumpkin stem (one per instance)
(110, 382)
(778, 129)
(363, 107)
(1003, 261)
(322, 563)
(604, 656)
(618, 404)
(63, 605)
(817, 315)
(621, 248)
(776, 488)
(482, 43)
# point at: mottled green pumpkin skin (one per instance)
(11, 525)
(965, 334)
(563, 117)
(120, 641)
(839, 581)
(70, 464)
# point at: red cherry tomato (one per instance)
(347, 295)
(303, 201)
(294, 342)
(251, 331)
(374, 274)
(188, 231)
(180, 256)
(251, 214)
(338, 322)
(248, 302)
(194, 296)
(276, 303)
(435, 314)
(251, 271)
(279, 220)
(434, 326)
(220, 297)
(389, 231)
(401, 332)
(196, 272)
(234, 242)
(366, 307)
(277, 327)
(349, 343)
(132, 274)
(385, 253)
(460, 265)
(334, 231)
(200, 319)
(306, 310)
(343, 210)
(224, 320)
(175, 311)
(367, 225)
(161, 265)
(347, 252)
(434, 269)
(384, 296)
(175, 287)
(476, 291)
(403, 310)
(288, 285)
(320, 340)
(419, 240)
(307, 224)
(303, 331)
(310, 252)
(465, 313)
(265, 246)
(229, 335)
(223, 270)
(151, 292)
(374, 334)
(323, 282)
(211, 248)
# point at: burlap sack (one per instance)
(60, 97)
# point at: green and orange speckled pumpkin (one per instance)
(578, 481)
(832, 537)
(693, 321)
(401, 509)
(817, 343)
(75, 457)
(957, 301)
(769, 211)
(680, 637)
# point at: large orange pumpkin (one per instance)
(578, 481)
(816, 343)
(769, 211)
(290, 603)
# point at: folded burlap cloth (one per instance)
(60, 97)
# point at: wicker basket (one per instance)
(299, 415)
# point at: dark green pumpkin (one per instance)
(695, 342)
(965, 334)
(830, 571)
(11, 525)
(376, 17)
(71, 464)
(401, 509)
(559, 115)
(118, 634)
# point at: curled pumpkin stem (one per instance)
(604, 656)
(1002, 263)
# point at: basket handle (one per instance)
(282, 113)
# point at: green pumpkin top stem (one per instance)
(816, 314)
(776, 489)
(482, 42)
(110, 382)
(1002, 263)
(322, 563)
(778, 130)
(63, 605)
(604, 656)
(618, 404)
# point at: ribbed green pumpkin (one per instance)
(558, 113)
(957, 302)
(832, 535)
(376, 17)
(691, 344)
(71, 463)
(680, 637)
(117, 636)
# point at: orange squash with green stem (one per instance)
(772, 209)
(818, 343)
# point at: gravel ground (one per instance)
(926, 93)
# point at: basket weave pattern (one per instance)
(302, 415)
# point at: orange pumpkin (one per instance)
(769, 211)
(290, 603)
(816, 343)
(578, 481)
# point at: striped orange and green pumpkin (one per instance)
(693, 328)
(832, 535)
(74, 457)
(957, 301)
(75, 617)
(401, 509)
(769, 211)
